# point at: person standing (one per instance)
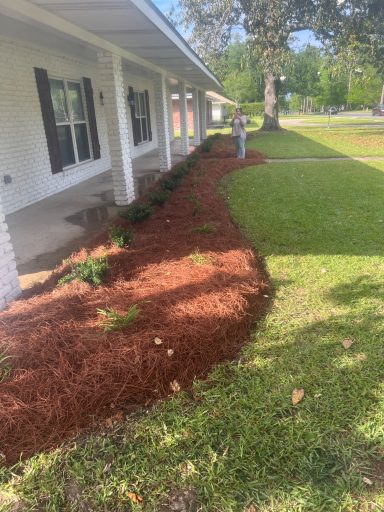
(239, 134)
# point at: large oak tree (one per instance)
(269, 25)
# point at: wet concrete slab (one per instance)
(49, 231)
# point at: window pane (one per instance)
(137, 104)
(82, 142)
(66, 145)
(76, 101)
(142, 104)
(144, 128)
(58, 100)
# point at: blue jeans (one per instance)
(240, 146)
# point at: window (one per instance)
(142, 117)
(72, 129)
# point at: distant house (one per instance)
(216, 109)
(86, 87)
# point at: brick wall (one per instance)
(176, 114)
(23, 147)
(9, 283)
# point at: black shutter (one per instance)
(49, 121)
(136, 128)
(88, 93)
(148, 114)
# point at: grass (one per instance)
(114, 321)
(237, 439)
(319, 143)
(335, 120)
(205, 229)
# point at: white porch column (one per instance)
(162, 122)
(203, 115)
(115, 105)
(9, 281)
(183, 119)
(196, 117)
(170, 115)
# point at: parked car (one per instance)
(378, 110)
(333, 111)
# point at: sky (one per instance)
(304, 37)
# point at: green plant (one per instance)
(137, 212)
(206, 146)
(120, 236)
(198, 259)
(197, 206)
(158, 197)
(91, 271)
(170, 183)
(181, 170)
(113, 321)
(192, 159)
(205, 228)
(5, 367)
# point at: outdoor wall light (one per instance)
(101, 96)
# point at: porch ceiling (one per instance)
(138, 27)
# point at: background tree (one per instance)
(269, 25)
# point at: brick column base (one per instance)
(9, 282)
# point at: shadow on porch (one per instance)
(45, 233)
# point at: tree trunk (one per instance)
(271, 109)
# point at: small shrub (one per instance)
(197, 206)
(170, 183)
(181, 170)
(120, 236)
(137, 212)
(91, 271)
(198, 259)
(158, 197)
(206, 146)
(192, 159)
(205, 229)
(113, 321)
(5, 367)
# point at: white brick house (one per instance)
(85, 86)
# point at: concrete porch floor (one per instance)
(46, 232)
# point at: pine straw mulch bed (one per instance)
(66, 371)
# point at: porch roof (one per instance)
(134, 29)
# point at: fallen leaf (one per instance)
(367, 481)
(347, 343)
(135, 497)
(318, 395)
(297, 395)
(175, 386)
(170, 352)
(323, 270)
(158, 341)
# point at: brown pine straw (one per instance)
(66, 372)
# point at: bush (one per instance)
(206, 146)
(113, 321)
(249, 109)
(137, 212)
(91, 271)
(158, 197)
(170, 183)
(181, 170)
(192, 159)
(120, 236)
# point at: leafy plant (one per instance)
(158, 197)
(205, 228)
(91, 271)
(181, 170)
(137, 212)
(113, 321)
(206, 146)
(5, 367)
(192, 159)
(120, 236)
(198, 259)
(170, 183)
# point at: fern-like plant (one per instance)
(91, 271)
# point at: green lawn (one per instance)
(335, 120)
(240, 442)
(319, 142)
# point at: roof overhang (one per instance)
(134, 29)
